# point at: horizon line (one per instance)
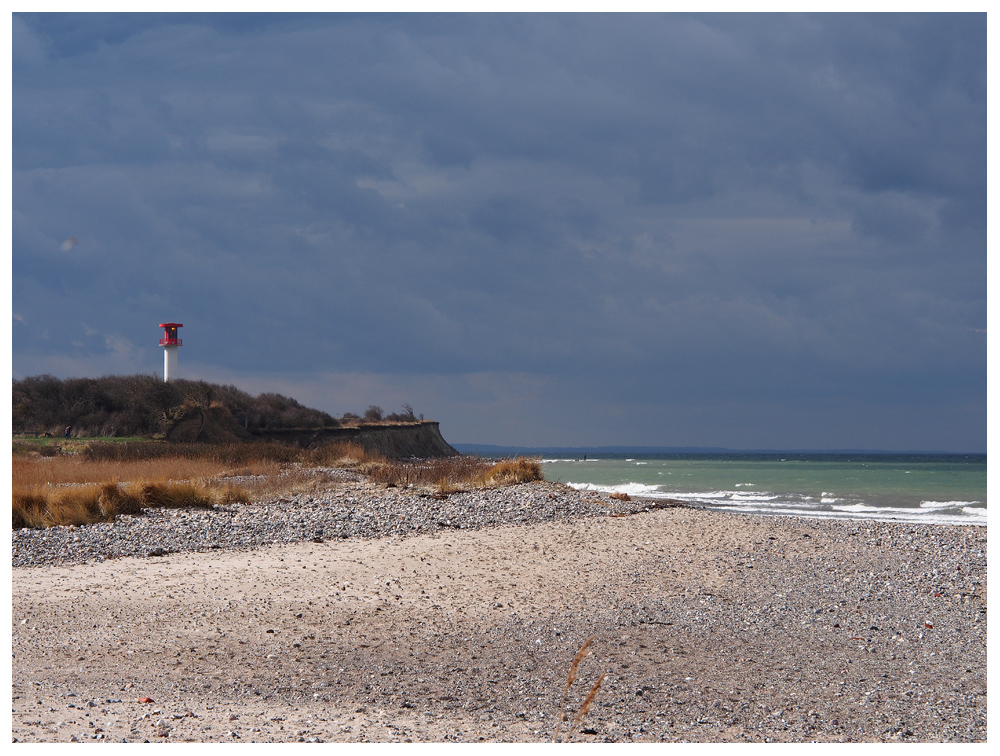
(613, 448)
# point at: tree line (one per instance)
(143, 405)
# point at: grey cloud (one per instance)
(738, 206)
(27, 48)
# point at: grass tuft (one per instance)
(342, 454)
(509, 472)
(29, 508)
(112, 501)
(48, 506)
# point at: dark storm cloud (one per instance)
(588, 212)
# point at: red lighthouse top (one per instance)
(170, 334)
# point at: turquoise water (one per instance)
(944, 489)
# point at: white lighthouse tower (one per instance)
(170, 342)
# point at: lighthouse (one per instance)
(170, 342)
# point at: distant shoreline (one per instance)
(493, 450)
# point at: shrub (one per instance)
(140, 405)
(406, 416)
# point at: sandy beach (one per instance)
(709, 627)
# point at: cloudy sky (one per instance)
(750, 231)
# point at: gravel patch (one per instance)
(367, 614)
(351, 509)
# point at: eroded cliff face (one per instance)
(216, 424)
(422, 439)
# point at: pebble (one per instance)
(352, 509)
(810, 630)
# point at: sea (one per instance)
(944, 489)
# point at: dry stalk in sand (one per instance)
(586, 705)
(583, 653)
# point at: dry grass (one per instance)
(509, 472)
(588, 702)
(77, 490)
(226, 454)
(454, 473)
(342, 454)
(47, 506)
(571, 678)
(77, 469)
(109, 479)
(582, 654)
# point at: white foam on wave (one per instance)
(858, 508)
(879, 514)
(829, 506)
(861, 511)
(970, 516)
(733, 496)
(946, 504)
(632, 489)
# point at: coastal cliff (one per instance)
(186, 411)
(216, 424)
(396, 441)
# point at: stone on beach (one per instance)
(457, 619)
